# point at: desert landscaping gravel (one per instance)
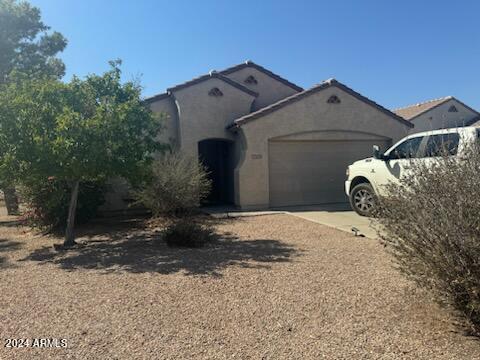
(273, 287)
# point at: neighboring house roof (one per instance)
(413, 111)
(251, 64)
(296, 97)
(212, 74)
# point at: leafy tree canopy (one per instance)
(84, 130)
(26, 44)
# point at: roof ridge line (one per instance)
(211, 75)
(448, 97)
(227, 71)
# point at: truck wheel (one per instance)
(362, 199)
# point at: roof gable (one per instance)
(297, 97)
(221, 75)
(251, 64)
(212, 75)
(413, 111)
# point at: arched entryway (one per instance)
(217, 156)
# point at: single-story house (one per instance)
(269, 143)
(446, 112)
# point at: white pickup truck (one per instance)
(367, 177)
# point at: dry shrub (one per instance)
(177, 185)
(187, 233)
(431, 223)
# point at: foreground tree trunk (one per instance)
(11, 200)
(69, 234)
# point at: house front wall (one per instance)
(440, 118)
(167, 109)
(270, 90)
(309, 119)
(203, 116)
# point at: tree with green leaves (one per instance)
(26, 46)
(84, 130)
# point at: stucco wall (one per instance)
(270, 90)
(440, 118)
(203, 116)
(309, 115)
(167, 108)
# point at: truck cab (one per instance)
(367, 178)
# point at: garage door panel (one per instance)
(312, 172)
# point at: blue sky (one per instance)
(394, 52)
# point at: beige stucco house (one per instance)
(269, 143)
(440, 113)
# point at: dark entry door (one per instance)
(216, 155)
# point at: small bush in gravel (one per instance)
(177, 185)
(187, 233)
(430, 221)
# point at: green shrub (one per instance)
(430, 222)
(177, 185)
(187, 233)
(47, 203)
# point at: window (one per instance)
(407, 149)
(452, 108)
(442, 144)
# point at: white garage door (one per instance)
(313, 172)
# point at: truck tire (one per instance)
(363, 199)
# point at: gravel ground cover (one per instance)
(274, 287)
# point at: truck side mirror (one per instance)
(377, 154)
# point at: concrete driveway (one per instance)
(339, 216)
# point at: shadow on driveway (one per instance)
(135, 249)
(7, 245)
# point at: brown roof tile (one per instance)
(214, 74)
(221, 75)
(412, 111)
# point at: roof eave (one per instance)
(296, 97)
(213, 75)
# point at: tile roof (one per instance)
(158, 97)
(213, 74)
(296, 97)
(221, 75)
(412, 111)
(251, 64)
